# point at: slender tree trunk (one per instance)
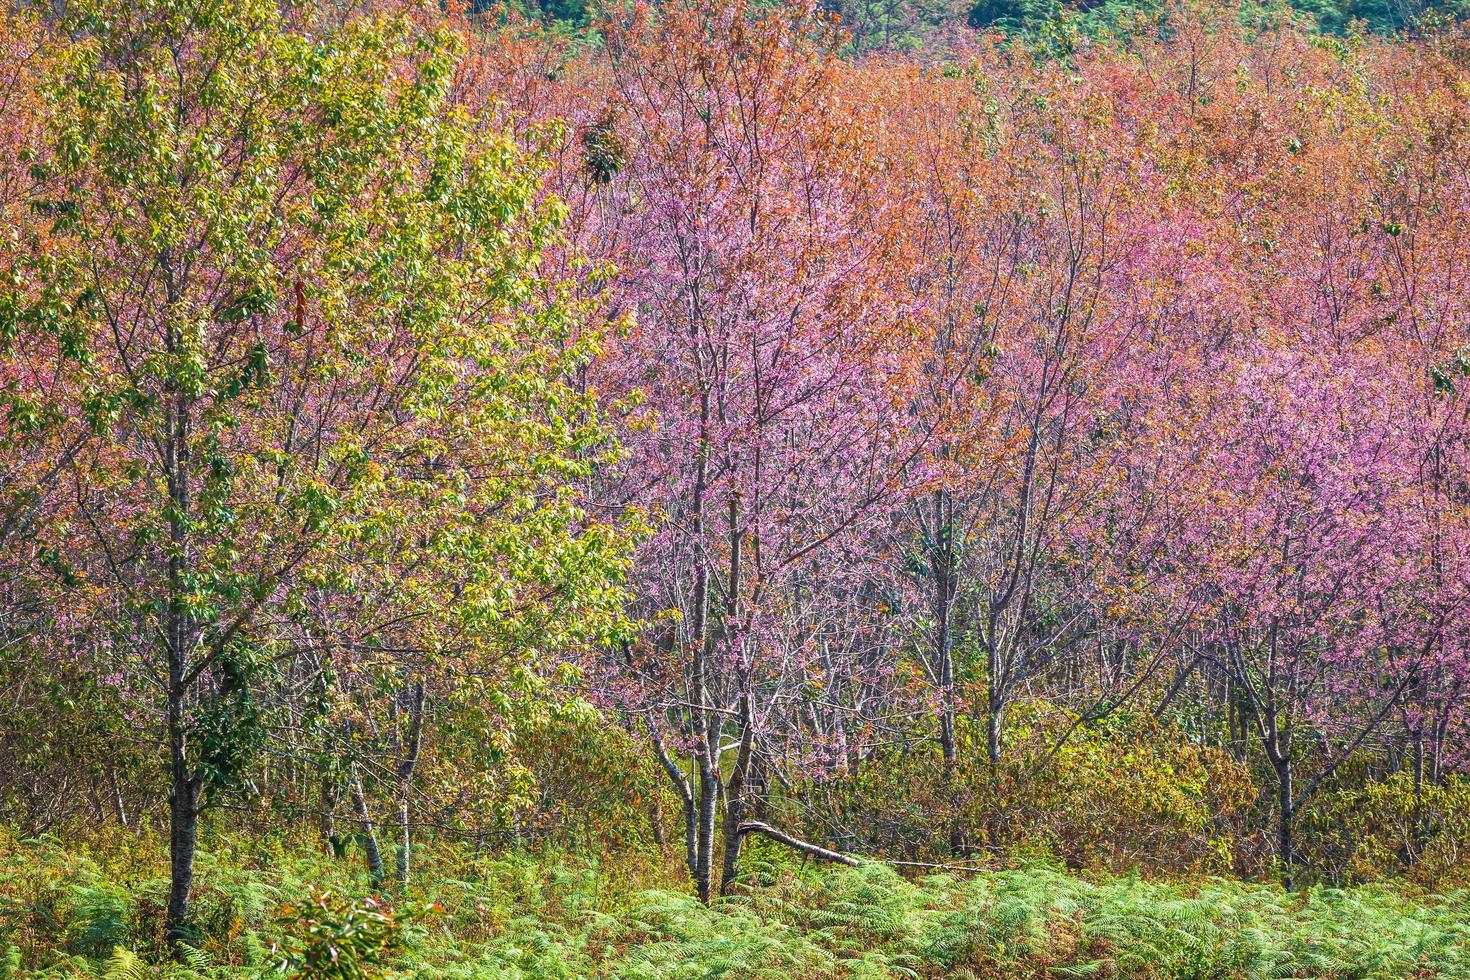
(995, 685)
(686, 799)
(1418, 767)
(709, 789)
(691, 837)
(369, 834)
(992, 733)
(1417, 832)
(821, 853)
(184, 786)
(182, 839)
(117, 798)
(943, 571)
(706, 727)
(1436, 750)
(734, 786)
(947, 712)
(942, 568)
(405, 844)
(676, 776)
(331, 795)
(1286, 807)
(406, 766)
(1276, 741)
(735, 793)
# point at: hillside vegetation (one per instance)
(523, 918)
(750, 488)
(885, 25)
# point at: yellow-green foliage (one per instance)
(333, 938)
(62, 733)
(518, 917)
(595, 783)
(1128, 791)
(550, 771)
(1385, 829)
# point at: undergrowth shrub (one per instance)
(67, 751)
(331, 937)
(519, 916)
(596, 785)
(1126, 792)
(1384, 829)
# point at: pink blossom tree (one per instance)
(754, 251)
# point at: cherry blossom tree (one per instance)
(754, 249)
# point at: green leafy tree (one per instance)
(320, 397)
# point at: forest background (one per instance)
(532, 489)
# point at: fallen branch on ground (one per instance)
(795, 843)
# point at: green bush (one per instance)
(524, 917)
(1128, 792)
(334, 938)
(1386, 829)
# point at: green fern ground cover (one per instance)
(68, 913)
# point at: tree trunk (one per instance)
(369, 834)
(117, 799)
(331, 795)
(184, 787)
(1418, 831)
(182, 840)
(1285, 838)
(686, 800)
(405, 844)
(1436, 751)
(405, 771)
(691, 838)
(709, 788)
(707, 735)
(942, 568)
(735, 791)
(992, 731)
(995, 691)
(946, 714)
